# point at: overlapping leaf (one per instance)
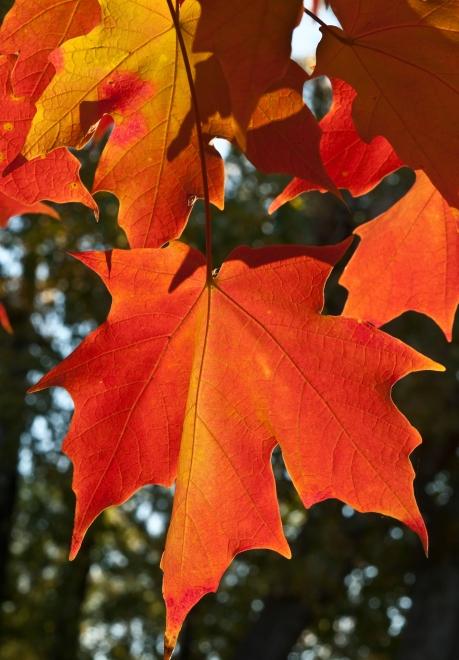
(34, 30)
(197, 383)
(55, 178)
(255, 55)
(408, 259)
(401, 57)
(283, 135)
(350, 162)
(138, 77)
(131, 68)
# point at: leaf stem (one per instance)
(329, 28)
(315, 18)
(201, 143)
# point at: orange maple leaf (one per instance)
(198, 382)
(350, 162)
(401, 57)
(408, 259)
(28, 34)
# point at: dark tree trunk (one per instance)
(15, 363)
(72, 590)
(16, 360)
(432, 632)
(9, 448)
(276, 631)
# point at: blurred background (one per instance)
(358, 587)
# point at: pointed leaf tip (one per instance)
(420, 529)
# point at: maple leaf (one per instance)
(198, 382)
(350, 162)
(408, 259)
(401, 58)
(34, 30)
(10, 207)
(55, 178)
(139, 78)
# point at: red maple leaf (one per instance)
(196, 383)
(350, 162)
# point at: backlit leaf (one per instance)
(256, 54)
(401, 57)
(25, 184)
(139, 78)
(34, 29)
(198, 383)
(408, 259)
(350, 162)
(55, 178)
(283, 134)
